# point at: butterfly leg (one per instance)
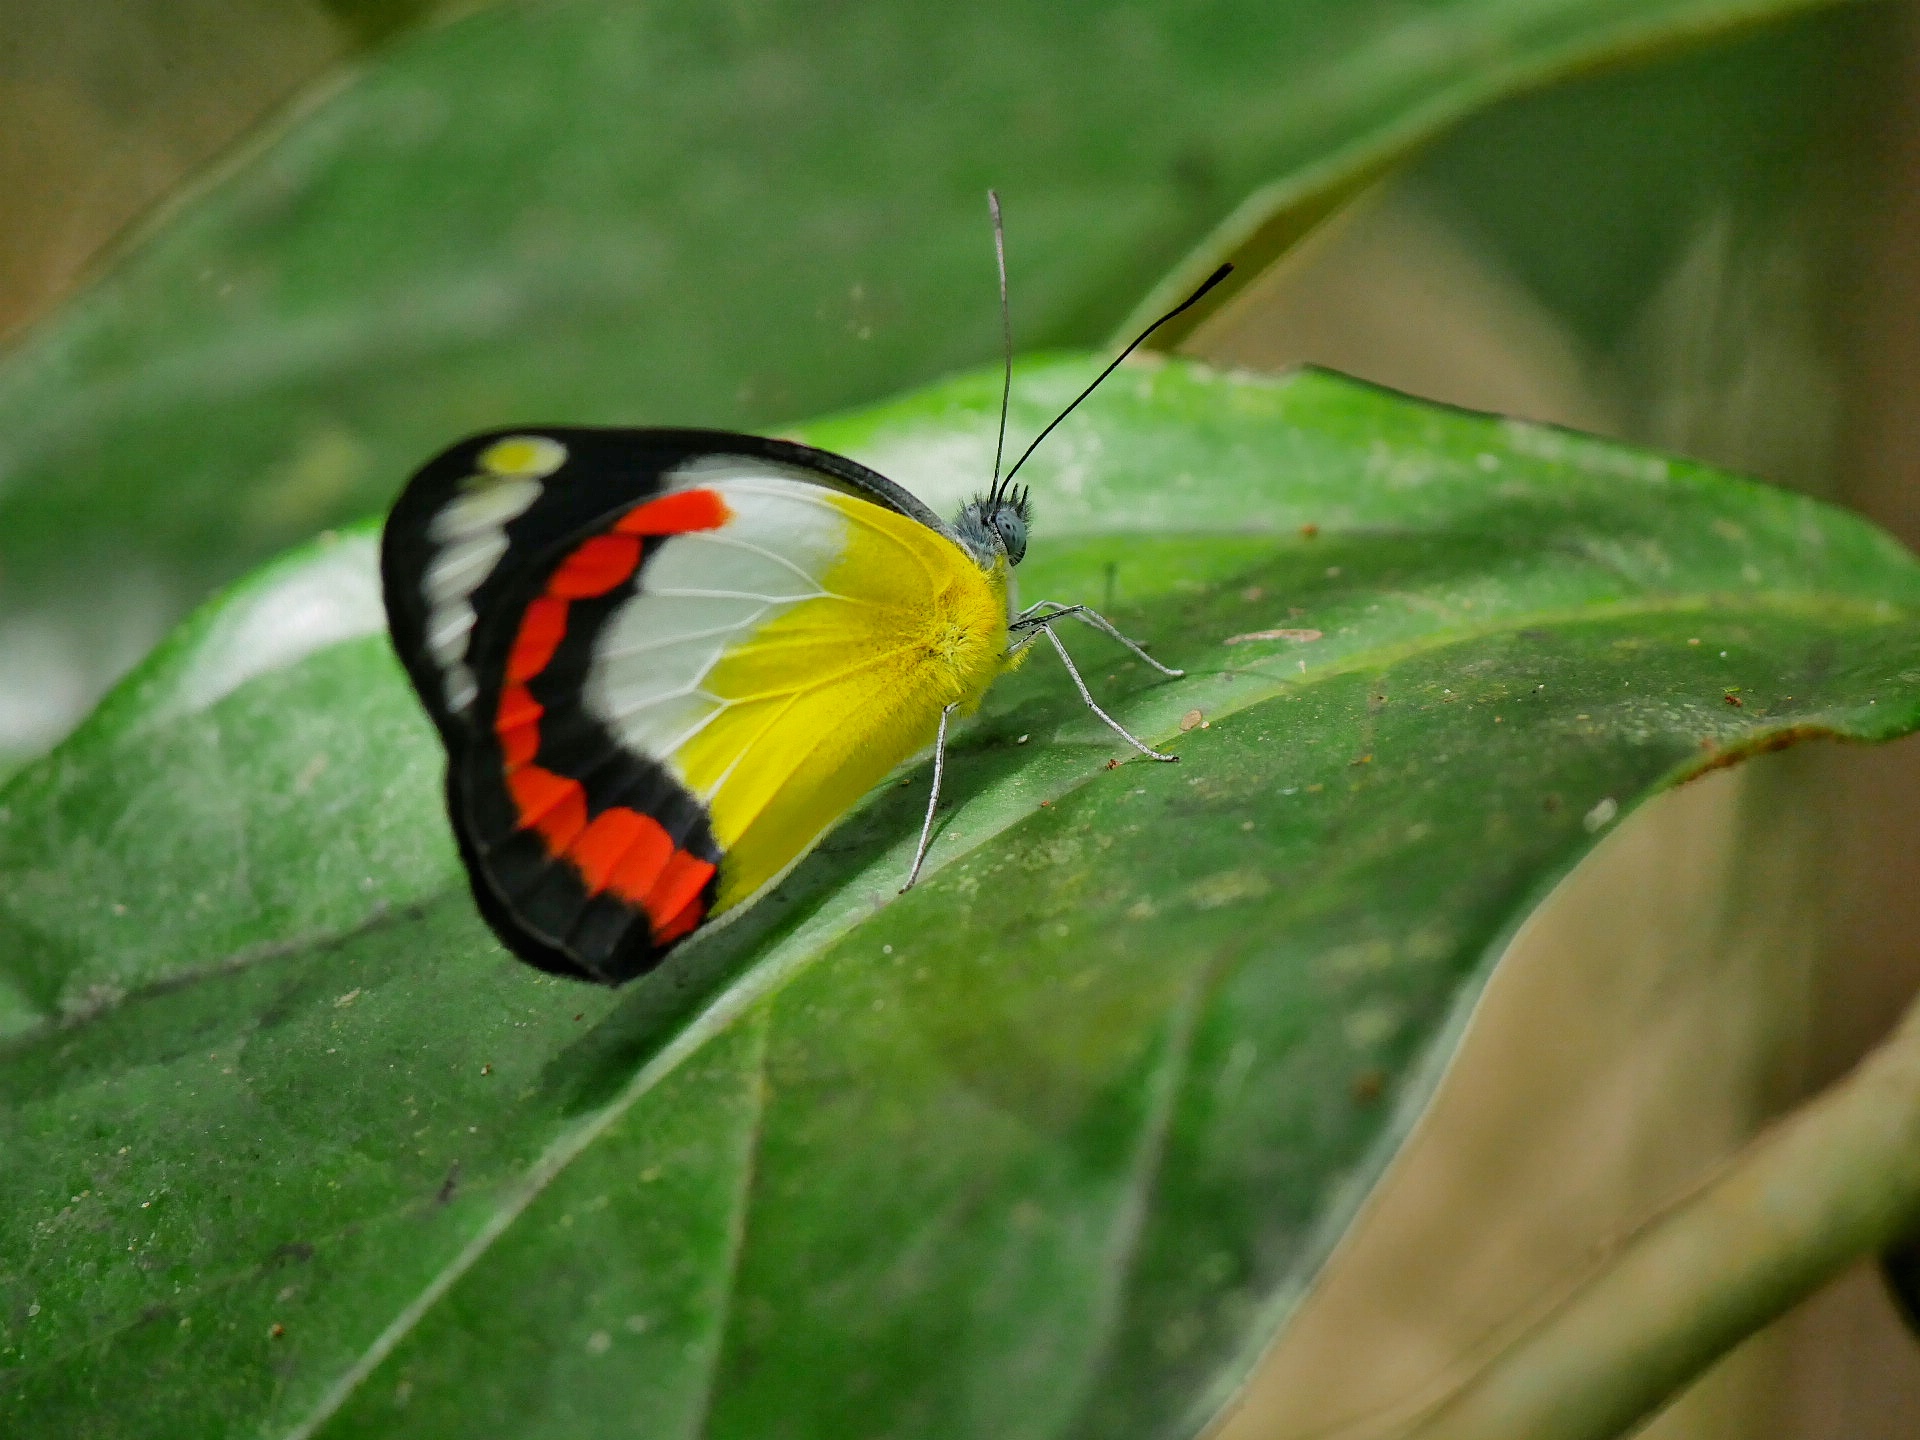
(933, 800)
(1058, 611)
(1087, 695)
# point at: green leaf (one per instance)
(601, 210)
(1050, 1145)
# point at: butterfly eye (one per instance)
(1012, 530)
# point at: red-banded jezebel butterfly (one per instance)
(665, 662)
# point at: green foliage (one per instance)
(1048, 1146)
(1052, 1145)
(603, 210)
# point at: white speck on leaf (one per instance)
(1304, 637)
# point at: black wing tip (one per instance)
(635, 957)
(630, 960)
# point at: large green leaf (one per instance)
(602, 209)
(1049, 1146)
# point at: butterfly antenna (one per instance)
(1139, 340)
(1006, 344)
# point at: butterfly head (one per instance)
(995, 525)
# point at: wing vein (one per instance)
(682, 593)
(720, 537)
(643, 646)
(793, 697)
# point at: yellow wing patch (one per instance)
(829, 696)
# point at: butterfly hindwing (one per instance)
(663, 662)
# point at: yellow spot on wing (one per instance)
(828, 697)
(523, 457)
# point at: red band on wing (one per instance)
(676, 893)
(676, 514)
(550, 805)
(595, 568)
(620, 843)
(619, 851)
(541, 630)
(687, 920)
(517, 724)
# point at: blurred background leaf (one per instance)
(1713, 253)
(601, 210)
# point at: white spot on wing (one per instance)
(456, 572)
(471, 530)
(447, 630)
(486, 505)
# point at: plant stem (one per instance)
(1837, 1179)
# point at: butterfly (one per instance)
(664, 662)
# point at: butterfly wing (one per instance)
(666, 665)
(476, 515)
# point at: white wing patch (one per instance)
(471, 532)
(705, 593)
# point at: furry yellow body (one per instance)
(837, 691)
